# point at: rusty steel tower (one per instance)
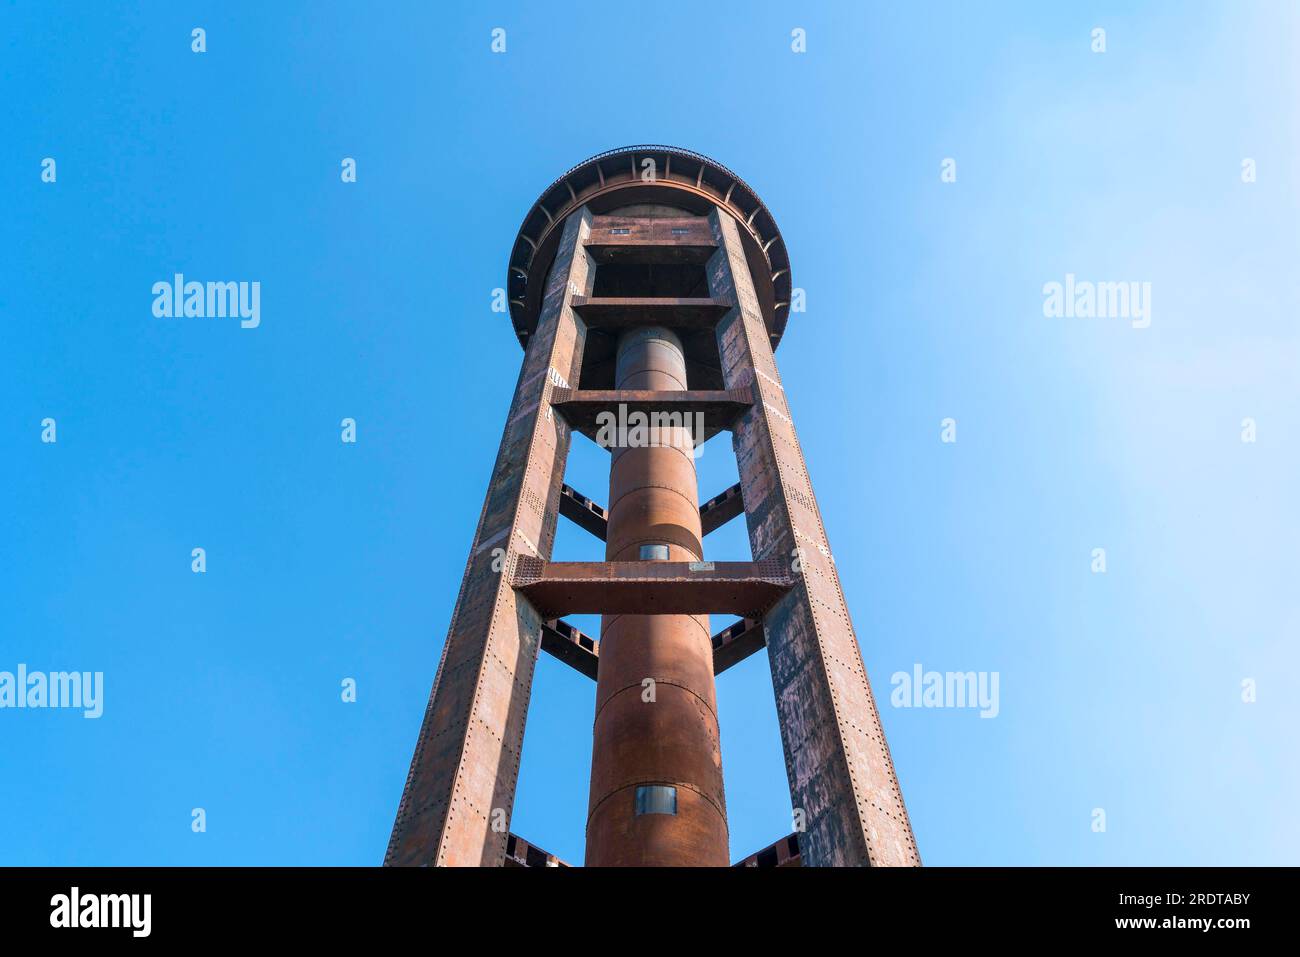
(650, 284)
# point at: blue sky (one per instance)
(1120, 691)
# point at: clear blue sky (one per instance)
(1120, 691)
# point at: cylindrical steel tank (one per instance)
(656, 769)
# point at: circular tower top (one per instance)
(614, 179)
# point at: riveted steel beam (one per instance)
(737, 642)
(519, 853)
(841, 775)
(686, 239)
(622, 312)
(466, 760)
(583, 512)
(721, 509)
(579, 651)
(592, 517)
(705, 412)
(650, 588)
(784, 853)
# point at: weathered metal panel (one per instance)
(610, 312)
(466, 760)
(721, 509)
(650, 588)
(583, 512)
(706, 412)
(783, 853)
(519, 853)
(737, 642)
(672, 239)
(841, 775)
(580, 652)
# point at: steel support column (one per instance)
(459, 794)
(840, 771)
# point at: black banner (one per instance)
(88, 907)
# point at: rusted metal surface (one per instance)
(592, 517)
(665, 346)
(721, 509)
(587, 409)
(519, 853)
(610, 312)
(583, 512)
(579, 651)
(621, 177)
(840, 771)
(784, 853)
(647, 588)
(466, 759)
(645, 482)
(656, 709)
(737, 642)
(686, 239)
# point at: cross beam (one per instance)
(581, 652)
(650, 588)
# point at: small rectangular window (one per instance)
(620, 232)
(656, 799)
(650, 553)
(680, 230)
